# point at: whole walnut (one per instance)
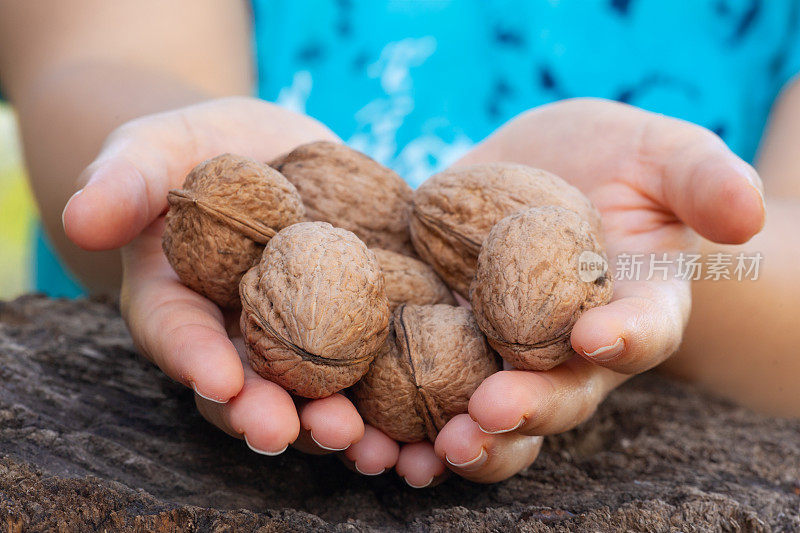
(534, 281)
(217, 225)
(432, 362)
(410, 281)
(351, 191)
(454, 210)
(315, 311)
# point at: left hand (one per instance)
(657, 182)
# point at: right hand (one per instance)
(120, 204)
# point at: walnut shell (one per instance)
(528, 291)
(315, 311)
(410, 281)
(453, 211)
(351, 191)
(432, 362)
(217, 225)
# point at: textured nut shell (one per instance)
(527, 293)
(432, 362)
(217, 225)
(315, 312)
(351, 191)
(454, 211)
(410, 281)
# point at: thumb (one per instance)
(126, 186)
(114, 206)
(704, 183)
(717, 194)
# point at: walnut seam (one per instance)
(286, 343)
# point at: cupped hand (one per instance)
(121, 203)
(654, 180)
(657, 182)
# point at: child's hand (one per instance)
(654, 180)
(183, 333)
(637, 167)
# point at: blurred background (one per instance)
(17, 213)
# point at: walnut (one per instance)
(530, 290)
(410, 281)
(454, 210)
(217, 225)
(315, 311)
(351, 191)
(432, 362)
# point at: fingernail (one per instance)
(67, 205)
(508, 430)
(381, 471)
(755, 182)
(311, 433)
(209, 398)
(419, 486)
(761, 195)
(262, 452)
(606, 353)
(472, 464)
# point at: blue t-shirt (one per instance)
(415, 84)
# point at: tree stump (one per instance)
(93, 437)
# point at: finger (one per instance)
(373, 454)
(638, 330)
(263, 414)
(705, 184)
(484, 458)
(116, 203)
(540, 403)
(177, 329)
(125, 187)
(419, 466)
(328, 425)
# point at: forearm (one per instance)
(742, 340)
(76, 70)
(778, 160)
(64, 119)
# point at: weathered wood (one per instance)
(92, 437)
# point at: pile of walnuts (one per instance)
(346, 278)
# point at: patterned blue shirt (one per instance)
(415, 83)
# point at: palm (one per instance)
(637, 169)
(657, 182)
(183, 333)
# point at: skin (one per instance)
(760, 368)
(657, 181)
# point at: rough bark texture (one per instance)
(315, 311)
(528, 291)
(93, 438)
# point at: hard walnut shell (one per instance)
(410, 281)
(453, 212)
(352, 191)
(530, 290)
(315, 312)
(432, 362)
(217, 225)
